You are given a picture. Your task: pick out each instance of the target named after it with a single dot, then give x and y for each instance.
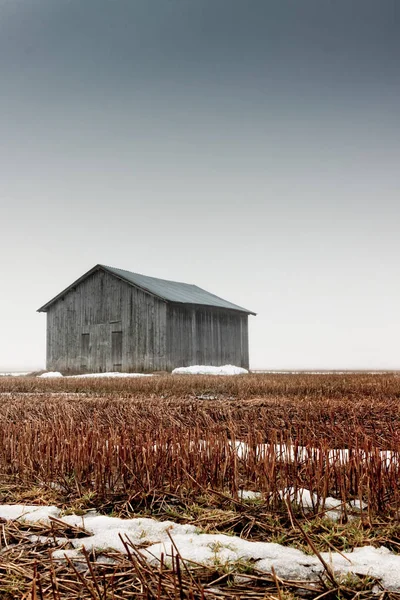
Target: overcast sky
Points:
(251, 147)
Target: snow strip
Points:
(117, 374)
(268, 372)
(55, 374)
(290, 453)
(208, 370)
(16, 374)
(209, 549)
(47, 394)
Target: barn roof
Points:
(170, 291)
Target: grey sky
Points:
(250, 147)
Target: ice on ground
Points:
(209, 370)
(209, 549)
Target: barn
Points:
(115, 320)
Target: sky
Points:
(250, 147)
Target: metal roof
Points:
(170, 291)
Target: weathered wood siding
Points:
(105, 324)
(198, 335)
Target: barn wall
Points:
(206, 336)
(106, 325)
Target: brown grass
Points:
(123, 438)
(163, 446)
(305, 386)
(27, 570)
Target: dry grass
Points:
(305, 386)
(164, 446)
(147, 436)
(27, 570)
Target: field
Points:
(309, 462)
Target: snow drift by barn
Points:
(116, 320)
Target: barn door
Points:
(116, 350)
(85, 344)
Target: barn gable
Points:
(110, 319)
(169, 291)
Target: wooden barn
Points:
(115, 320)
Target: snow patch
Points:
(30, 514)
(70, 553)
(332, 507)
(105, 531)
(209, 370)
(50, 375)
(209, 549)
(249, 495)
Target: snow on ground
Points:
(50, 375)
(207, 549)
(15, 374)
(332, 372)
(287, 453)
(332, 507)
(25, 512)
(53, 374)
(208, 370)
(195, 370)
(249, 495)
(292, 453)
(47, 394)
(117, 374)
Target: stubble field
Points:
(309, 462)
